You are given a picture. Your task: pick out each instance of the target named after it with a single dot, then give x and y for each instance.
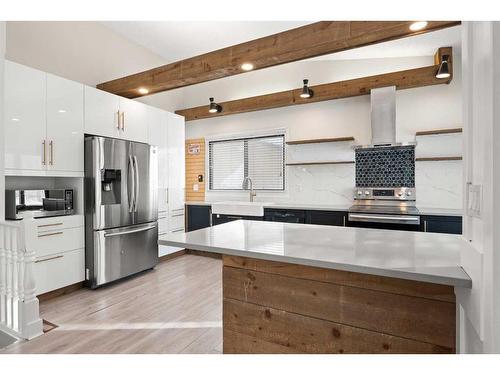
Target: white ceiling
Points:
(177, 40)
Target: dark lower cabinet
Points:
(336, 218)
(221, 219)
(441, 224)
(284, 215)
(198, 217)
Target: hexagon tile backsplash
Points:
(385, 167)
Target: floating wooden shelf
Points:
(439, 131)
(439, 158)
(321, 162)
(320, 140)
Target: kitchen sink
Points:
(240, 208)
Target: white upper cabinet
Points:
(158, 134)
(134, 120)
(102, 113)
(109, 115)
(176, 161)
(64, 125)
(25, 141)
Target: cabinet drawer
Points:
(53, 223)
(162, 225)
(59, 270)
(55, 241)
(176, 222)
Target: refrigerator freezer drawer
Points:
(123, 251)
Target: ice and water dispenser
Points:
(111, 186)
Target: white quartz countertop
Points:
(428, 257)
(324, 207)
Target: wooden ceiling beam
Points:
(316, 39)
(405, 79)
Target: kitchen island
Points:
(292, 288)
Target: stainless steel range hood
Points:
(383, 118)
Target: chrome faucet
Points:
(252, 193)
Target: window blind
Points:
(260, 158)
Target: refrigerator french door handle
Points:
(129, 231)
(136, 165)
(98, 166)
(131, 194)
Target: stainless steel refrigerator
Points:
(121, 228)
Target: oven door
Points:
(384, 221)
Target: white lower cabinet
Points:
(59, 247)
(59, 270)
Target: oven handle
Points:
(395, 219)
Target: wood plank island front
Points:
(292, 288)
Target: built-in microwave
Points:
(40, 203)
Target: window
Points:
(260, 158)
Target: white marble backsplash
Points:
(439, 184)
(321, 184)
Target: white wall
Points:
(2, 156)
(439, 184)
(480, 307)
(86, 52)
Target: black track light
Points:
(444, 70)
(214, 107)
(306, 91)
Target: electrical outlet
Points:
(474, 199)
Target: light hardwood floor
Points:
(176, 308)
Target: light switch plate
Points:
(474, 199)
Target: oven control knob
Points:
(360, 192)
(367, 192)
(400, 194)
(408, 193)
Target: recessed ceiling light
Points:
(143, 90)
(15, 119)
(247, 66)
(62, 111)
(419, 25)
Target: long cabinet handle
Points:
(118, 119)
(49, 225)
(51, 153)
(49, 234)
(43, 152)
(123, 121)
(47, 259)
(177, 230)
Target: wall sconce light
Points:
(306, 91)
(443, 70)
(214, 107)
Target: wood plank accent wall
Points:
(311, 40)
(273, 307)
(195, 166)
(405, 79)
